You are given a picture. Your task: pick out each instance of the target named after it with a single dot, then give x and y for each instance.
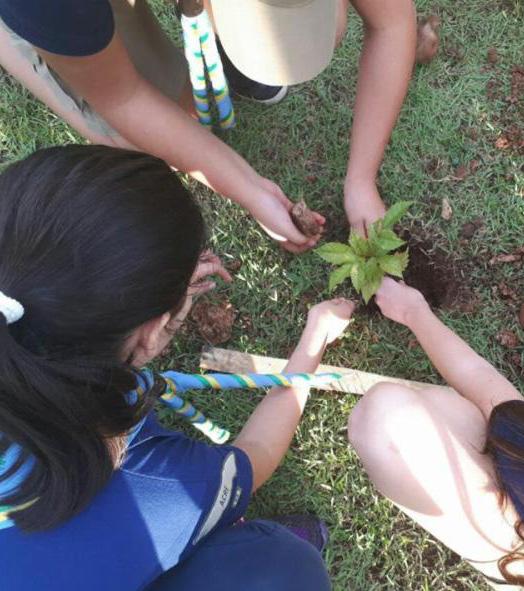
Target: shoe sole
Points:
(279, 96)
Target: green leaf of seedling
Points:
(388, 241)
(360, 246)
(374, 233)
(395, 212)
(358, 275)
(394, 264)
(374, 275)
(336, 253)
(338, 275)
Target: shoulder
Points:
(208, 483)
(64, 27)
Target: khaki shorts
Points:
(154, 55)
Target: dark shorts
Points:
(253, 556)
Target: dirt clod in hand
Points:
(508, 339)
(214, 320)
(304, 219)
(427, 39)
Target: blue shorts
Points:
(252, 556)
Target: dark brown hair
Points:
(510, 413)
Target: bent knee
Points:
(372, 421)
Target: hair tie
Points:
(10, 308)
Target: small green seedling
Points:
(366, 261)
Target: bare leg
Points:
(423, 450)
(342, 21)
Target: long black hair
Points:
(94, 241)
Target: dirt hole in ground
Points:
(435, 273)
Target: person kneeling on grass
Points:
(452, 461)
(98, 248)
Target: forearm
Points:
(268, 432)
(385, 69)
(166, 131)
(462, 368)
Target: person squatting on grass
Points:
(109, 70)
(452, 461)
(101, 255)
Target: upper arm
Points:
(77, 39)
(488, 389)
(218, 479)
(105, 79)
(382, 14)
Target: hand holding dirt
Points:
(305, 220)
(427, 39)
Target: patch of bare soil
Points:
(442, 279)
(214, 319)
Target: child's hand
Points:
(272, 210)
(397, 301)
(208, 264)
(329, 319)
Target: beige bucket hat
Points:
(277, 42)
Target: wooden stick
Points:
(354, 381)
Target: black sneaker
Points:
(244, 87)
(307, 527)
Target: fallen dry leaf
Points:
(511, 257)
(447, 211)
(508, 339)
(516, 359)
(492, 56)
(506, 292)
(427, 39)
(517, 84)
(502, 143)
(461, 172)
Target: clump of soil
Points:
(427, 39)
(436, 274)
(214, 320)
(304, 219)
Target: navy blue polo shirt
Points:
(170, 494)
(65, 27)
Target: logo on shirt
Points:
(229, 472)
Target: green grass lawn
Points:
(456, 110)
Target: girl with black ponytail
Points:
(98, 248)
